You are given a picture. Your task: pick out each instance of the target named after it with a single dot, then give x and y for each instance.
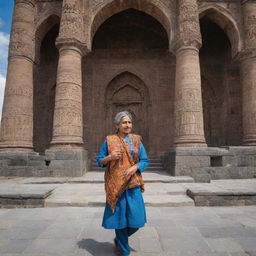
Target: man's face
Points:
(125, 125)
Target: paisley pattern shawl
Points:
(115, 181)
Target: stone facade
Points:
(185, 69)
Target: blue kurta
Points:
(130, 209)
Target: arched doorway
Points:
(129, 67)
(45, 72)
(127, 92)
(221, 88)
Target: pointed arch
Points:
(43, 26)
(225, 21)
(121, 80)
(126, 91)
(116, 6)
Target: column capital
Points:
(190, 44)
(71, 44)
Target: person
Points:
(125, 158)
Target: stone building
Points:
(185, 69)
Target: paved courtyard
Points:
(170, 231)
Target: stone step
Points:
(227, 192)
(89, 191)
(154, 164)
(168, 200)
(155, 195)
(13, 195)
(231, 172)
(149, 169)
(96, 201)
(98, 177)
(157, 165)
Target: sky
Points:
(6, 9)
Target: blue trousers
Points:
(122, 239)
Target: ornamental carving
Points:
(20, 49)
(69, 77)
(22, 36)
(188, 24)
(19, 91)
(18, 127)
(250, 25)
(67, 117)
(250, 31)
(71, 21)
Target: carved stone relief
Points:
(188, 24)
(71, 21)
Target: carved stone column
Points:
(189, 129)
(68, 123)
(248, 73)
(17, 114)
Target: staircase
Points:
(162, 189)
(155, 165)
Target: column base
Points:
(66, 146)
(187, 141)
(67, 143)
(16, 147)
(249, 141)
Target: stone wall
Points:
(140, 55)
(116, 53)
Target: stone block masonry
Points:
(68, 163)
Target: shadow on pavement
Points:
(95, 248)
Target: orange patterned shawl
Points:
(115, 182)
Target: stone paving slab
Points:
(170, 231)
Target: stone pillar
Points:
(248, 73)
(68, 121)
(17, 114)
(189, 127)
